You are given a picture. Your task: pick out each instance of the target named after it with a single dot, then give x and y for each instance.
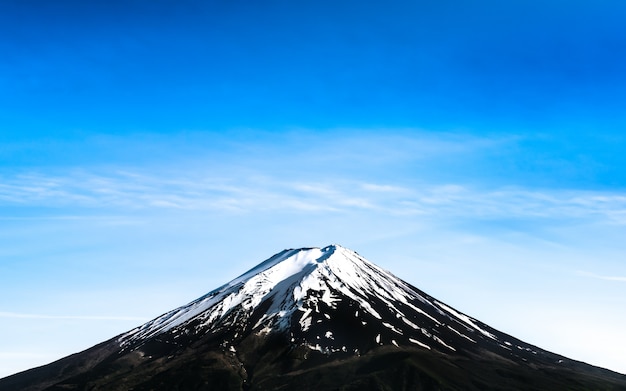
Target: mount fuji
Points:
(315, 319)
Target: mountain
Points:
(315, 319)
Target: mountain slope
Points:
(315, 318)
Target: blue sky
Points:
(150, 151)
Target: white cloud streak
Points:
(15, 315)
(606, 278)
(128, 191)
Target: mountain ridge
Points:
(300, 318)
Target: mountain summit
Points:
(315, 319)
(329, 299)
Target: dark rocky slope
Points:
(315, 319)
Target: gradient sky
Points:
(151, 151)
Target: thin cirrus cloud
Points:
(126, 191)
(15, 315)
(601, 277)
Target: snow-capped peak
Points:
(299, 291)
(246, 291)
(309, 313)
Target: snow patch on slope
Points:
(467, 320)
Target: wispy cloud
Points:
(15, 315)
(124, 191)
(12, 355)
(606, 278)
